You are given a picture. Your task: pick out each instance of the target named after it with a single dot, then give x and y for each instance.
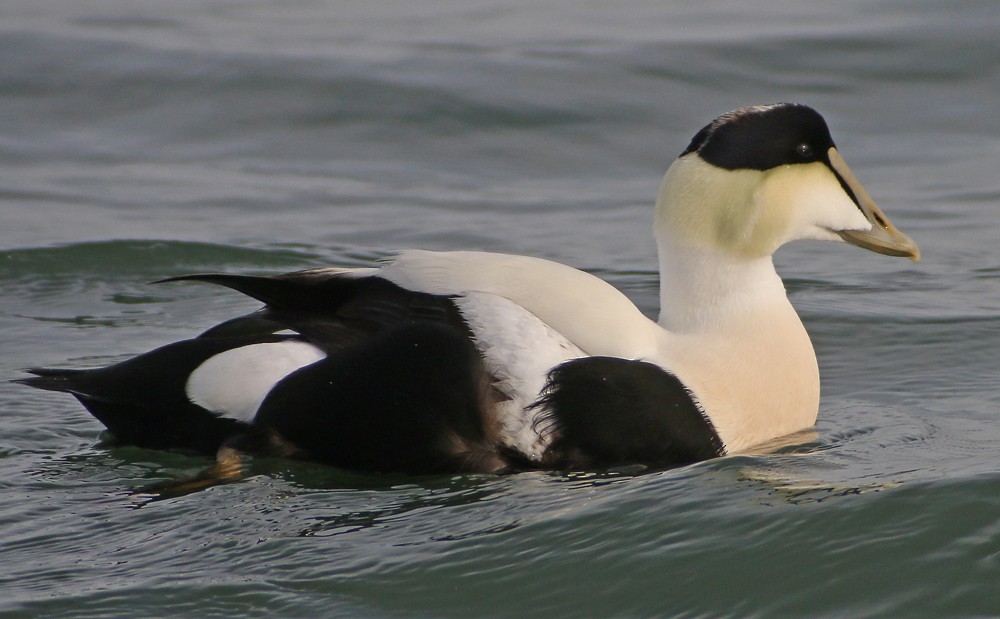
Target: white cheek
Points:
(234, 383)
(820, 207)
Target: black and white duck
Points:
(473, 361)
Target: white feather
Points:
(518, 350)
(727, 331)
(585, 309)
(726, 327)
(234, 383)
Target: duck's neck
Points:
(702, 289)
(734, 339)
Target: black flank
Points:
(604, 411)
(402, 388)
(412, 399)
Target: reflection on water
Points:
(420, 503)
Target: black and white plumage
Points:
(472, 361)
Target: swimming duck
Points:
(473, 361)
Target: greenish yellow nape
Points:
(704, 206)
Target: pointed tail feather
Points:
(281, 291)
(52, 379)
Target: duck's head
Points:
(758, 177)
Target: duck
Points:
(474, 362)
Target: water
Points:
(141, 140)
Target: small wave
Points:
(48, 269)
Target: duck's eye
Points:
(804, 150)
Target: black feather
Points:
(331, 310)
(602, 411)
(414, 399)
(143, 401)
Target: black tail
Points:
(143, 402)
(52, 379)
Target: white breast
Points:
(755, 376)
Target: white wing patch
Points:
(234, 383)
(586, 310)
(519, 350)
